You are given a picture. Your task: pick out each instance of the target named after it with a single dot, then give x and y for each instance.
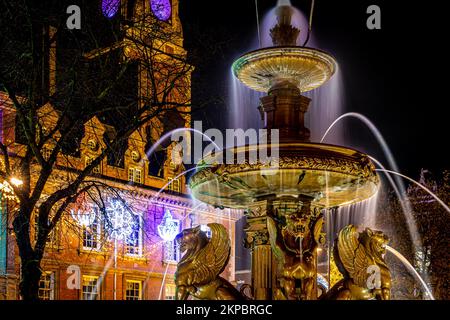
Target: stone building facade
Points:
(86, 257)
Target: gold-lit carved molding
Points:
(331, 175)
(307, 68)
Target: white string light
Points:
(120, 221)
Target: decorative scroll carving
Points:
(256, 238)
(362, 168)
(257, 211)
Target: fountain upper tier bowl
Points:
(331, 175)
(307, 68)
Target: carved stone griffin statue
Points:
(198, 271)
(359, 257)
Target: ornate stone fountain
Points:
(284, 203)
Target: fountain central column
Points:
(257, 239)
(284, 109)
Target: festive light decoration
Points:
(110, 8)
(162, 9)
(121, 222)
(7, 191)
(15, 181)
(169, 227)
(85, 219)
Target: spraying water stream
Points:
(411, 269)
(163, 280)
(415, 237)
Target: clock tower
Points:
(154, 38)
(157, 14)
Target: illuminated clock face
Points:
(110, 7)
(162, 9)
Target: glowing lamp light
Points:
(168, 228)
(16, 182)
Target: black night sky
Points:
(391, 75)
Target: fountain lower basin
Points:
(330, 175)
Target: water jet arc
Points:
(392, 163)
(442, 203)
(411, 269)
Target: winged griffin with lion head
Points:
(360, 259)
(205, 258)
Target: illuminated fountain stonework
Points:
(284, 203)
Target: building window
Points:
(135, 175)
(89, 160)
(92, 235)
(133, 244)
(174, 186)
(46, 286)
(169, 292)
(90, 288)
(134, 290)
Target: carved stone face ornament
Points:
(297, 225)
